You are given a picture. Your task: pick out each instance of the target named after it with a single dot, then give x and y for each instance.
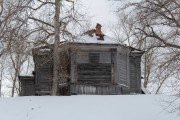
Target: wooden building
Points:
(95, 64)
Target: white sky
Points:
(101, 12)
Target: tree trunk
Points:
(16, 66)
(56, 47)
(14, 83)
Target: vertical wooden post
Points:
(75, 72)
(56, 47)
(75, 69)
(113, 51)
(112, 73)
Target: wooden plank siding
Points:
(98, 89)
(98, 69)
(27, 86)
(135, 75)
(133, 83)
(138, 74)
(122, 68)
(73, 71)
(94, 72)
(110, 66)
(44, 78)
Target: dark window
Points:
(93, 57)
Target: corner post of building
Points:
(113, 54)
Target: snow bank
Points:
(144, 90)
(117, 107)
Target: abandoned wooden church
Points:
(94, 64)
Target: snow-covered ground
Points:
(85, 107)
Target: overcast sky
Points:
(101, 11)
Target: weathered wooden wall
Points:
(135, 75)
(27, 86)
(43, 78)
(91, 66)
(98, 89)
(110, 66)
(94, 72)
(43, 72)
(94, 69)
(122, 68)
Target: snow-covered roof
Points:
(96, 36)
(81, 107)
(44, 49)
(26, 75)
(85, 38)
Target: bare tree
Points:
(25, 24)
(13, 34)
(125, 32)
(65, 17)
(18, 54)
(56, 47)
(156, 23)
(153, 26)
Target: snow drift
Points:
(85, 107)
